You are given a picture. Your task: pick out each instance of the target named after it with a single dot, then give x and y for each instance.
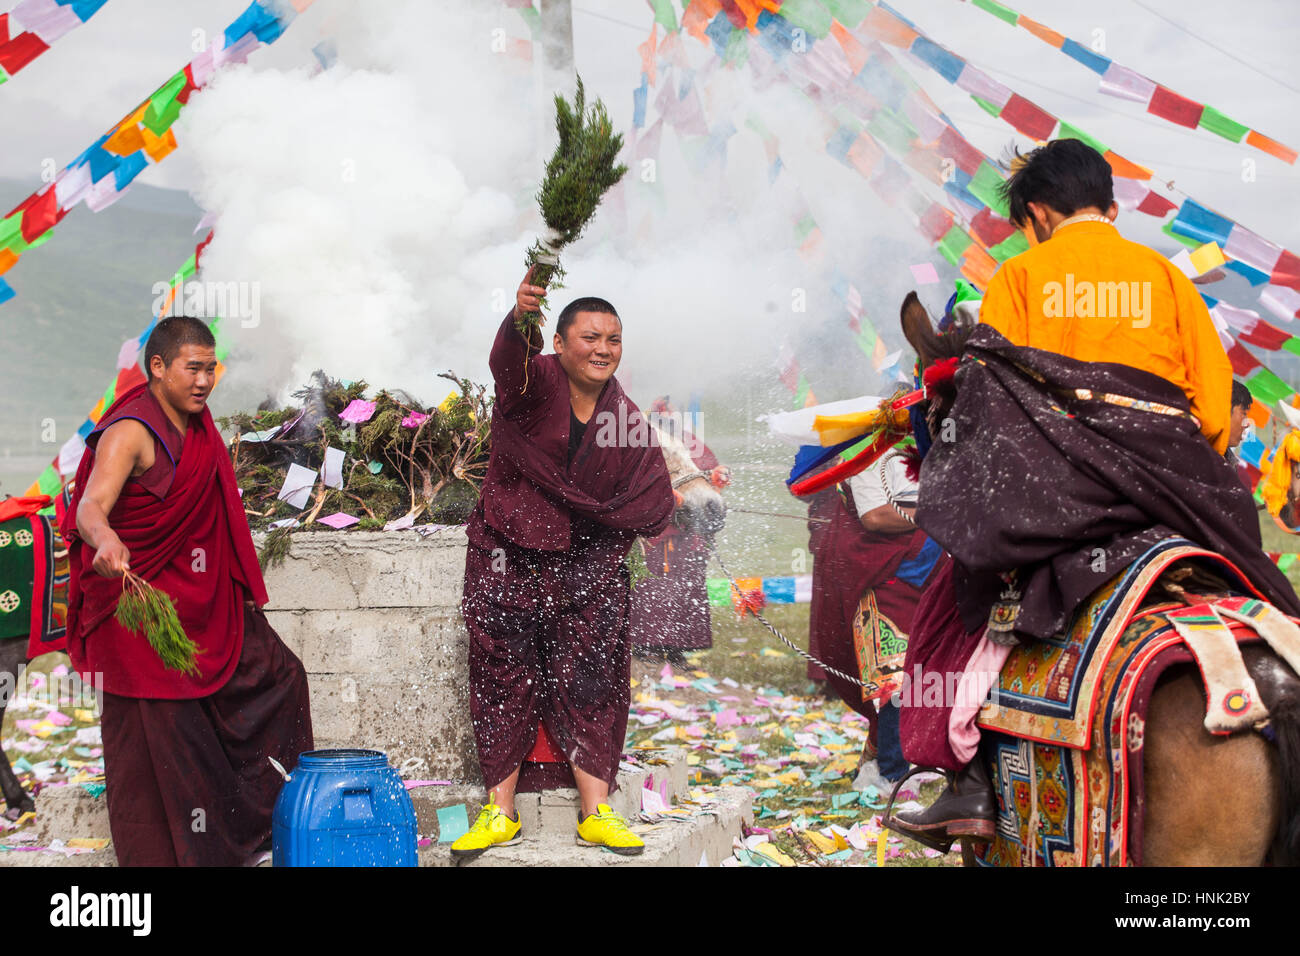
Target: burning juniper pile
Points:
(399, 458)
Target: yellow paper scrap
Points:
(86, 843)
(823, 844)
(770, 851)
(84, 716)
(880, 848)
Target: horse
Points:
(700, 508)
(1209, 799)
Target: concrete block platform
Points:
(549, 819)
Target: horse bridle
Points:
(689, 476)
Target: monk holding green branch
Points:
(185, 750)
(546, 589)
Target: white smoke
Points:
(382, 208)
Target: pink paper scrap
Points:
(339, 520)
(414, 420)
(358, 411)
(412, 784)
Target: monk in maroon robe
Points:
(188, 779)
(572, 481)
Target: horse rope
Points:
(781, 637)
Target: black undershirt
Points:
(576, 430)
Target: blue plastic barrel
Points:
(344, 808)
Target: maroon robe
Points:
(850, 559)
(175, 744)
(670, 609)
(546, 589)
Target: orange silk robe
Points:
(1090, 294)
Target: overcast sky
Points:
(1240, 57)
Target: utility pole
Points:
(557, 47)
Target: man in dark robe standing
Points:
(573, 480)
(185, 755)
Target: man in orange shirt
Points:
(1091, 418)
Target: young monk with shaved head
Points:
(188, 779)
(546, 590)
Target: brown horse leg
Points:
(1210, 801)
(13, 655)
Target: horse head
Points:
(700, 507)
(932, 345)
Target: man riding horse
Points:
(1091, 418)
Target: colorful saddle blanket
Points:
(1059, 802)
(33, 580)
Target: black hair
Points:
(586, 304)
(170, 334)
(1241, 397)
(1065, 174)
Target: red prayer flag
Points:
(4, 28)
(1243, 363)
(935, 222)
(991, 228)
(40, 215)
(966, 157)
(1265, 336)
(1153, 204)
(734, 14)
(183, 97)
(1167, 104)
(21, 50)
(1286, 271)
(1028, 118)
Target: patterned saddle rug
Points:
(1063, 729)
(33, 581)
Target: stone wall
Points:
(375, 619)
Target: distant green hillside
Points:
(79, 297)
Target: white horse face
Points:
(700, 507)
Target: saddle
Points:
(1063, 728)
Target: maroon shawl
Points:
(529, 494)
(188, 536)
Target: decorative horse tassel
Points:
(1231, 697)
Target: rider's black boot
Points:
(965, 809)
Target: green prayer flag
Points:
(953, 244)
(849, 12)
(49, 483)
(1292, 345)
(4, 77)
(811, 16)
(187, 268)
(867, 340)
(854, 449)
(846, 116)
(11, 228)
(1013, 245)
(534, 20)
(893, 130)
(804, 226)
(1168, 230)
(801, 391)
(719, 591)
(1267, 387)
(1221, 125)
(1285, 561)
(665, 16)
(737, 51)
(1073, 132)
(991, 108)
(42, 239)
(1005, 14)
(986, 186)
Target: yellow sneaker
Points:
(608, 829)
(492, 828)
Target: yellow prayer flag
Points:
(1207, 257)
